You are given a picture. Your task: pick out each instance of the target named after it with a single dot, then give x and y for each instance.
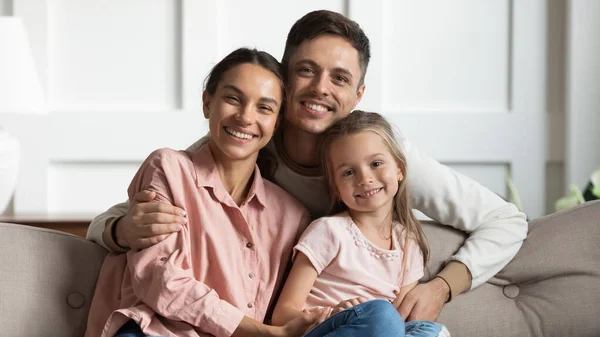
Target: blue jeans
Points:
(377, 318)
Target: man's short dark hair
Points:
(322, 22)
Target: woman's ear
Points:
(206, 98)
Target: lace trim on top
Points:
(379, 253)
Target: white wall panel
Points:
(583, 91)
(115, 136)
(88, 187)
(241, 24)
(105, 57)
(447, 56)
(493, 176)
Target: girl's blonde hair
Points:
(360, 121)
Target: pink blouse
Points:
(225, 263)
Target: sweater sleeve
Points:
(496, 228)
(97, 226)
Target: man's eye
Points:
(342, 79)
(306, 71)
(232, 99)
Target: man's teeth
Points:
(316, 107)
(370, 193)
(238, 134)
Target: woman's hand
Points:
(347, 304)
(299, 326)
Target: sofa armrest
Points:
(47, 281)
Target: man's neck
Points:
(300, 146)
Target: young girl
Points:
(216, 276)
(368, 255)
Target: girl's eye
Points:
(377, 163)
(347, 173)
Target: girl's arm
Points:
(295, 291)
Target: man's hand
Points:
(424, 301)
(148, 223)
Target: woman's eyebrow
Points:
(262, 99)
(234, 88)
(269, 100)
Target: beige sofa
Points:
(551, 288)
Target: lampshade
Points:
(20, 89)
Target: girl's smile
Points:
(370, 193)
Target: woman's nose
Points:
(247, 115)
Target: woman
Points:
(216, 276)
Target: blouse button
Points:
(249, 245)
(250, 305)
(251, 275)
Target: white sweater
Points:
(496, 228)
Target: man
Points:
(326, 58)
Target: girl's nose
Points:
(365, 177)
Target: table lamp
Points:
(20, 93)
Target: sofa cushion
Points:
(551, 288)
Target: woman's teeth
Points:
(238, 134)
